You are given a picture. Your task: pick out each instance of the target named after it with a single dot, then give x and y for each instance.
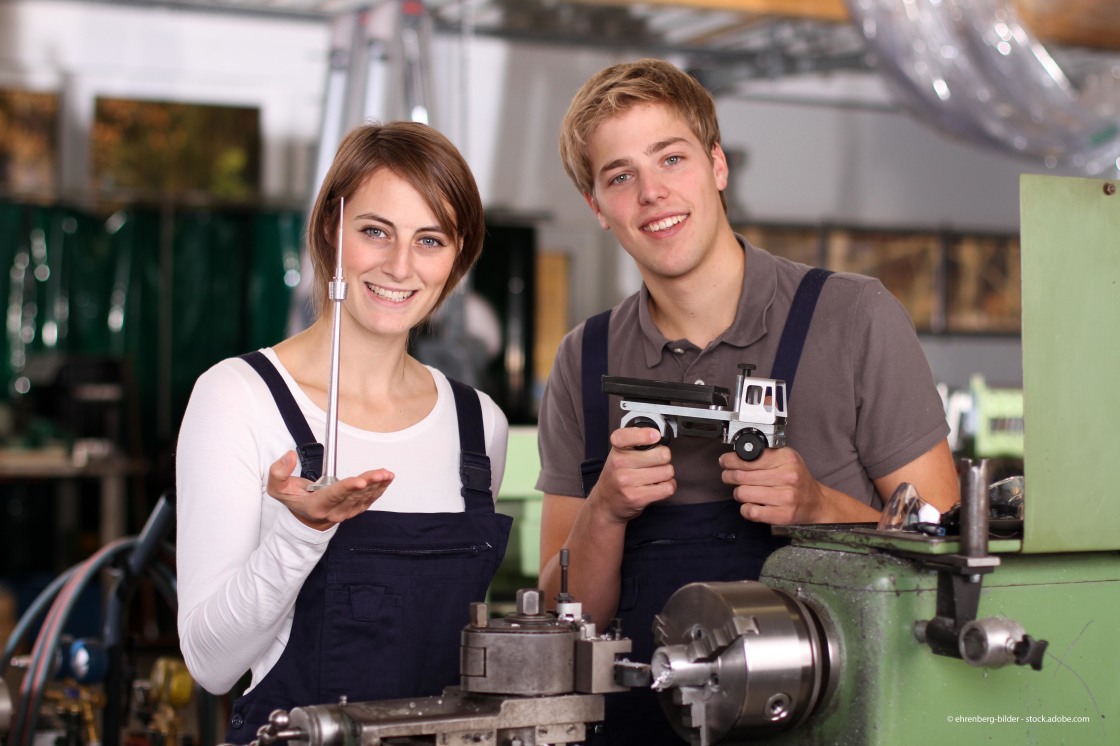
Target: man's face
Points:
(658, 189)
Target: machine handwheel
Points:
(749, 444)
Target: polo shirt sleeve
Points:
(560, 421)
(899, 413)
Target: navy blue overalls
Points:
(669, 546)
(381, 614)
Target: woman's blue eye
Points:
(373, 231)
(431, 242)
(673, 160)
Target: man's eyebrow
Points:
(616, 163)
(662, 144)
(654, 148)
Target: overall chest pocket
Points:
(394, 615)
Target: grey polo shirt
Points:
(864, 402)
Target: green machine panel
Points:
(1070, 234)
(889, 689)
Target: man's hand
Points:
(775, 488)
(633, 478)
(321, 509)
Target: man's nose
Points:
(651, 188)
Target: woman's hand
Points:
(323, 508)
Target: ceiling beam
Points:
(819, 10)
(1081, 23)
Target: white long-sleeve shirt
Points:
(241, 556)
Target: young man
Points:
(641, 142)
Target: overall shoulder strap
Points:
(474, 463)
(309, 450)
(796, 329)
(596, 434)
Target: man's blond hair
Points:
(614, 90)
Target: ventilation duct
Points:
(972, 69)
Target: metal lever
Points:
(337, 293)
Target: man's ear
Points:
(719, 166)
(590, 198)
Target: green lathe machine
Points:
(857, 635)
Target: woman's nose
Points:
(398, 263)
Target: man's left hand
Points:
(775, 488)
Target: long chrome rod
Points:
(337, 292)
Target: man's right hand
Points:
(634, 477)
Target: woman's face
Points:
(395, 257)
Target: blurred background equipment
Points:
(159, 705)
(79, 692)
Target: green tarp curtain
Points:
(169, 290)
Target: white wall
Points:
(881, 168)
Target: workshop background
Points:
(157, 160)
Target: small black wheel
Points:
(666, 435)
(749, 444)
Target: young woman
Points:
(360, 588)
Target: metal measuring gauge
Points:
(336, 290)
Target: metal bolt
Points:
(1109, 189)
(530, 601)
(479, 614)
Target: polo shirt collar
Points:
(760, 284)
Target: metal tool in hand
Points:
(336, 289)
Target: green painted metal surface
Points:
(891, 689)
(1070, 233)
(520, 498)
(865, 537)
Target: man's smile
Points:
(664, 223)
